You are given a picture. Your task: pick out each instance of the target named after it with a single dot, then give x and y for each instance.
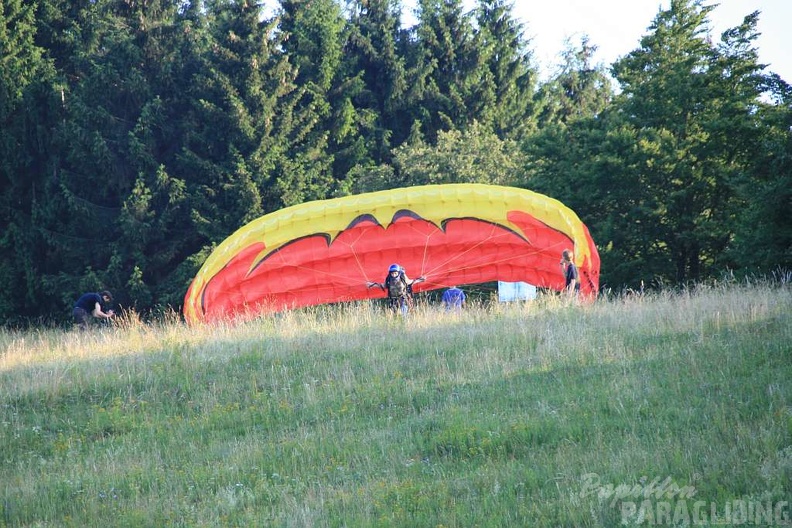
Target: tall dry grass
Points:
(345, 416)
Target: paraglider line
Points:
(477, 245)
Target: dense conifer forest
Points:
(135, 135)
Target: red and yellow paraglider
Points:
(326, 251)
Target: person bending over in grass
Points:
(90, 304)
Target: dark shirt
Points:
(571, 274)
(87, 301)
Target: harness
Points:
(397, 288)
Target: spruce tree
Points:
(375, 70)
(505, 95)
(28, 105)
(449, 68)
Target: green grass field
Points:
(538, 414)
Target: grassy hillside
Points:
(541, 414)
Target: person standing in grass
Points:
(398, 287)
(453, 299)
(90, 305)
(571, 274)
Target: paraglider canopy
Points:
(327, 251)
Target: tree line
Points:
(135, 135)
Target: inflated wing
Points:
(326, 251)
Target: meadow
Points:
(626, 411)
